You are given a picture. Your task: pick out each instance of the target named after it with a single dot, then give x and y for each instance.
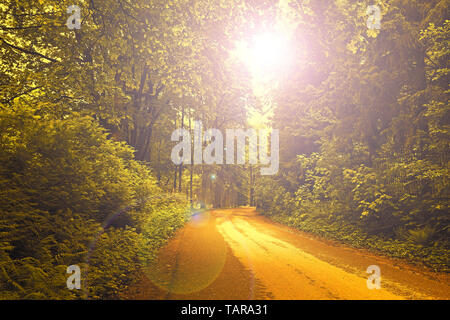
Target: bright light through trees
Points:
(266, 55)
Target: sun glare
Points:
(265, 55)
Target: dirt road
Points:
(238, 254)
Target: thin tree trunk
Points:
(158, 165)
(180, 169)
(192, 165)
(250, 189)
(175, 172)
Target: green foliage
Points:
(421, 235)
(413, 248)
(71, 196)
(365, 120)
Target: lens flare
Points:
(185, 265)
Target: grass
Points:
(432, 256)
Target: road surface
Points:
(238, 254)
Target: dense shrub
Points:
(69, 195)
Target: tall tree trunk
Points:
(158, 165)
(180, 169)
(192, 165)
(250, 188)
(175, 171)
(146, 150)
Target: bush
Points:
(71, 196)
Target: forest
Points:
(89, 101)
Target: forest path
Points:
(238, 254)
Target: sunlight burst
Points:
(266, 55)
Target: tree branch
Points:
(29, 51)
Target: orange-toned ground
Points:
(238, 254)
